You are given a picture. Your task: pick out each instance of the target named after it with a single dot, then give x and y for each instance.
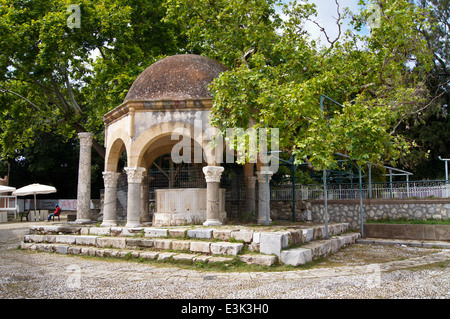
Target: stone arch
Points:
(113, 153)
(150, 136)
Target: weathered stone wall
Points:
(348, 211)
(282, 210)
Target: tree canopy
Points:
(57, 76)
(278, 75)
(385, 74)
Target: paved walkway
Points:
(43, 275)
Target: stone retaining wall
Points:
(348, 211)
(406, 231)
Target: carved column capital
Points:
(213, 173)
(134, 174)
(86, 138)
(264, 176)
(110, 179)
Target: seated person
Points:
(55, 213)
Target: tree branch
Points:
(4, 90)
(75, 105)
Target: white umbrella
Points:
(6, 189)
(34, 189)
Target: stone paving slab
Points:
(405, 242)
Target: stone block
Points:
(124, 253)
(86, 240)
(88, 251)
(135, 254)
(307, 235)
(116, 231)
(335, 244)
(219, 260)
(184, 257)
(200, 233)
(181, 245)
(319, 232)
(131, 231)
(256, 237)
(316, 248)
(65, 239)
(155, 232)
(225, 248)
(163, 244)
(112, 253)
(100, 231)
(149, 255)
(73, 250)
(295, 236)
(177, 232)
(201, 258)
(253, 247)
(200, 247)
(55, 229)
(262, 260)
(40, 238)
(244, 235)
(35, 229)
(25, 246)
(165, 256)
(138, 242)
(100, 253)
(272, 243)
(62, 249)
(222, 234)
(114, 242)
(296, 256)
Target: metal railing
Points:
(413, 189)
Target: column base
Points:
(133, 225)
(82, 221)
(212, 222)
(108, 223)
(264, 221)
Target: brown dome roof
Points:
(178, 77)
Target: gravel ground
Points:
(359, 271)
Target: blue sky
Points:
(326, 17)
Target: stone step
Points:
(245, 235)
(122, 253)
(198, 242)
(204, 247)
(320, 248)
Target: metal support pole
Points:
(325, 202)
(293, 193)
(361, 210)
(446, 167)
(370, 180)
(390, 183)
(447, 188)
(407, 186)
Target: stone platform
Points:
(262, 246)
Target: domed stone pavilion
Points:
(166, 111)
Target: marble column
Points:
(84, 179)
(110, 199)
(264, 177)
(212, 176)
(134, 176)
(145, 217)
